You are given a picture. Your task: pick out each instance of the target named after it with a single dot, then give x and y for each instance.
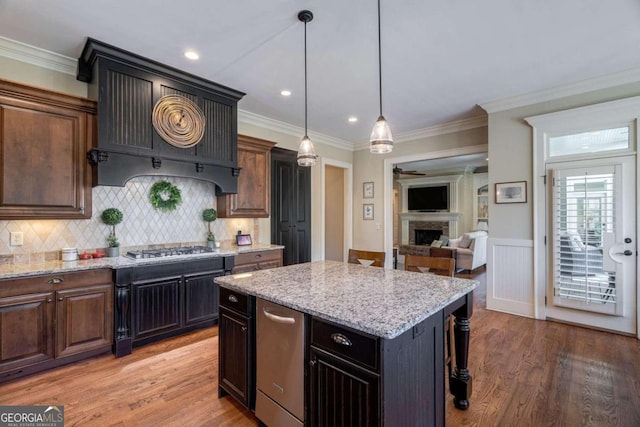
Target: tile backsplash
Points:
(142, 225)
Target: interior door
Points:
(591, 221)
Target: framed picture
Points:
(511, 192)
(367, 190)
(367, 211)
(243, 239)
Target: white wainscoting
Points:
(510, 276)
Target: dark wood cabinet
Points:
(254, 181)
(158, 301)
(168, 306)
(26, 326)
(44, 137)
(358, 379)
(236, 368)
(257, 260)
(290, 206)
(200, 298)
(342, 393)
(46, 321)
(156, 307)
(84, 319)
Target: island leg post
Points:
(460, 380)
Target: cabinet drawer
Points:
(234, 300)
(258, 257)
(54, 282)
(355, 346)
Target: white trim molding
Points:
(36, 56)
(603, 82)
(289, 129)
(441, 129)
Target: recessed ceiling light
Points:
(192, 54)
(352, 119)
(285, 93)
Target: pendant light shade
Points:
(381, 140)
(306, 153)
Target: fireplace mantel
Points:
(430, 216)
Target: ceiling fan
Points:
(398, 171)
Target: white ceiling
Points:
(445, 166)
(440, 58)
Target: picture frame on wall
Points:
(367, 211)
(367, 190)
(511, 192)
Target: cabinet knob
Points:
(244, 329)
(312, 362)
(49, 300)
(55, 280)
(233, 298)
(60, 298)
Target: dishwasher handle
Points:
(278, 319)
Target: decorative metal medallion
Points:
(178, 120)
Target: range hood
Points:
(136, 97)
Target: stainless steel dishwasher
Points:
(279, 365)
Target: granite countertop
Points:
(13, 271)
(381, 302)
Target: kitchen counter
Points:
(381, 302)
(12, 271)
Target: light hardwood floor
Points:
(525, 373)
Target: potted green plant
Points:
(210, 215)
(112, 217)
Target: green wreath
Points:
(165, 196)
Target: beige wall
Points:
(334, 213)
(511, 156)
(369, 167)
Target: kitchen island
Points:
(375, 339)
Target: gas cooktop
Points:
(163, 252)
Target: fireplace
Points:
(425, 237)
(425, 232)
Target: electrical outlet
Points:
(16, 238)
(377, 226)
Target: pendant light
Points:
(306, 153)
(381, 140)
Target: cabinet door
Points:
(156, 307)
(201, 298)
(43, 140)
(84, 319)
(342, 394)
(234, 354)
(254, 181)
(26, 330)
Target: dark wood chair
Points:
(441, 267)
(368, 258)
(435, 265)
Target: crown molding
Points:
(36, 56)
(597, 83)
(289, 129)
(441, 129)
